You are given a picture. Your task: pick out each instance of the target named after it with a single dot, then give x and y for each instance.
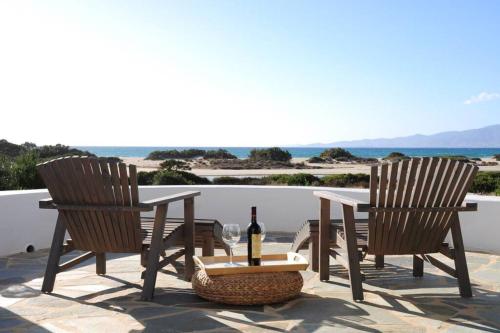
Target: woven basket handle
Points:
(294, 256)
(198, 262)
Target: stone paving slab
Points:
(395, 301)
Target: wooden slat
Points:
(398, 202)
(87, 230)
(403, 216)
(134, 187)
(72, 219)
(423, 230)
(379, 217)
(389, 202)
(447, 202)
(107, 196)
(430, 228)
(373, 202)
(115, 180)
(417, 194)
(433, 227)
(75, 261)
(414, 238)
(458, 197)
(132, 226)
(468, 208)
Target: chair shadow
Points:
(180, 309)
(442, 306)
(187, 307)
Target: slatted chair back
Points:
(428, 191)
(96, 199)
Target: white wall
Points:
(281, 208)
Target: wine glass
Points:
(262, 230)
(231, 236)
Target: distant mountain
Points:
(486, 137)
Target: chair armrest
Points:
(469, 206)
(46, 203)
(358, 205)
(169, 198)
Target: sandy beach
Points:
(318, 169)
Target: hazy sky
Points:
(245, 73)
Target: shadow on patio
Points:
(394, 299)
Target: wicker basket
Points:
(248, 289)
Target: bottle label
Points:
(256, 246)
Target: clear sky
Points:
(245, 73)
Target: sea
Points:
(243, 152)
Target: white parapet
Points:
(281, 208)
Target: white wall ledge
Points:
(281, 208)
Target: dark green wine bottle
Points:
(254, 240)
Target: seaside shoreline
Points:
(298, 152)
(318, 169)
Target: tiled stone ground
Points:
(395, 301)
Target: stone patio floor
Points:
(395, 301)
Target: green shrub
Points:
(299, 179)
(396, 156)
(43, 152)
(46, 152)
(270, 154)
(193, 179)
(316, 159)
(460, 158)
(6, 174)
(145, 177)
(111, 159)
(496, 157)
(173, 165)
(10, 149)
(166, 177)
(174, 153)
(486, 182)
(169, 178)
(238, 181)
(336, 154)
(346, 180)
(25, 173)
(221, 154)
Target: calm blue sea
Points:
(243, 152)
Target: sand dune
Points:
(320, 169)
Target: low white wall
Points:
(281, 208)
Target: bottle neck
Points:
(254, 214)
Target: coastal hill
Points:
(486, 137)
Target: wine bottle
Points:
(254, 240)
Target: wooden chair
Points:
(98, 204)
(413, 205)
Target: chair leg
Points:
(208, 244)
(154, 253)
(313, 251)
(379, 261)
(324, 240)
(460, 260)
(418, 266)
(189, 238)
(352, 253)
(55, 254)
(100, 263)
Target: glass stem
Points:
(230, 255)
